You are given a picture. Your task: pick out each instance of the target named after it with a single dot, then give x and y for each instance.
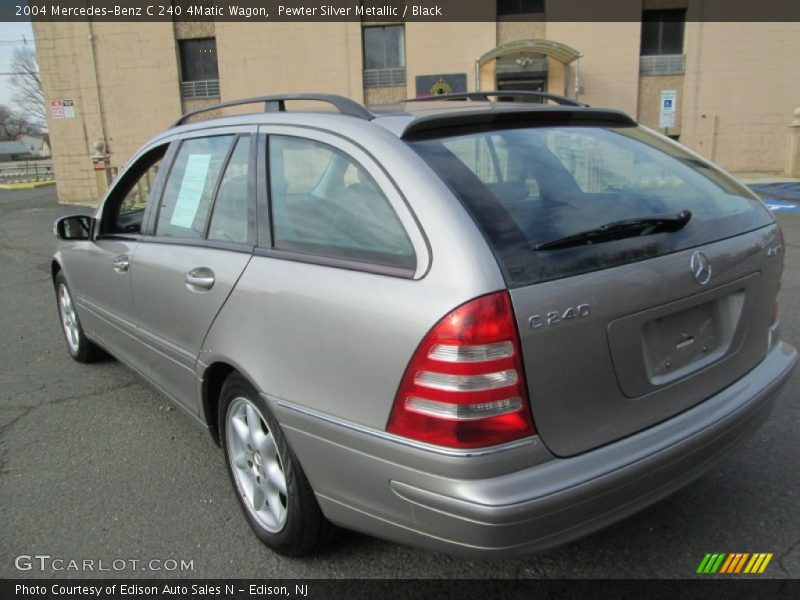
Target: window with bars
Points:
(662, 32)
(384, 56)
(199, 70)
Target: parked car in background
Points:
(468, 324)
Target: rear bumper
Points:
(452, 504)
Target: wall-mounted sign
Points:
(669, 104)
(69, 109)
(439, 85)
(62, 109)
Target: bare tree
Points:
(14, 123)
(26, 84)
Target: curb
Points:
(26, 185)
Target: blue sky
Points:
(10, 33)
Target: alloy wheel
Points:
(256, 464)
(69, 318)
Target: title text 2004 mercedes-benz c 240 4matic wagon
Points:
(473, 325)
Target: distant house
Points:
(14, 150)
(37, 145)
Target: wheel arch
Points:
(213, 378)
(55, 267)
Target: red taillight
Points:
(465, 386)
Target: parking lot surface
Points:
(95, 465)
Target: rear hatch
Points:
(630, 310)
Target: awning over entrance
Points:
(562, 52)
(523, 65)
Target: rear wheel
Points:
(78, 345)
(270, 485)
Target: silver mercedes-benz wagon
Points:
(486, 323)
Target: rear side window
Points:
(190, 187)
(229, 216)
(532, 185)
(325, 203)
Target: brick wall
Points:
(609, 69)
(740, 89)
(650, 88)
(736, 99)
(258, 59)
(438, 48)
(135, 67)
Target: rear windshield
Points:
(532, 185)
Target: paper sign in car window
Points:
(192, 186)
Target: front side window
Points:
(662, 31)
(528, 187)
(324, 203)
(190, 186)
(127, 201)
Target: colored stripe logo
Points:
(735, 563)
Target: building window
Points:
(199, 71)
(662, 42)
(519, 7)
(384, 56)
(662, 32)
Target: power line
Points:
(23, 41)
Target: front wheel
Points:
(272, 489)
(78, 345)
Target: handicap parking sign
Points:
(666, 113)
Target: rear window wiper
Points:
(617, 230)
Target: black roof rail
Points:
(523, 96)
(277, 103)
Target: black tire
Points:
(80, 348)
(305, 529)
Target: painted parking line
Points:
(781, 196)
(781, 205)
(26, 185)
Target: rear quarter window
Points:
(325, 203)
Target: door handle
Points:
(201, 277)
(121, 263)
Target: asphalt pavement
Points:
(95, 465)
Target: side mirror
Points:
(74, 227)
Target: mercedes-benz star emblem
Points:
(701, 268)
